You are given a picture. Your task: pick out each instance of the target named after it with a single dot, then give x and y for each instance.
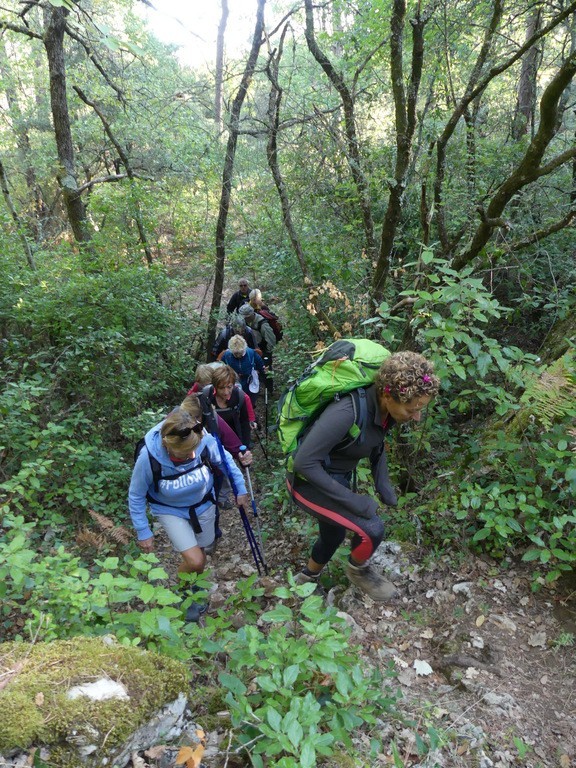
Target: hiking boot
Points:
(196, 609)
(305, 577)
(226, 503)
(372, 583)
(211, 548)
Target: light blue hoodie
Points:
(178, 494)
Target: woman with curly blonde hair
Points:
(321, 483)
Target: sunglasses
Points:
(185, 431)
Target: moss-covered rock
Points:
(37, 711)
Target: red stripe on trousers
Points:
(360, 553)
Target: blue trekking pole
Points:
(256, 553)
(254, 509)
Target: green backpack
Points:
(346, 366)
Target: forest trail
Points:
(481, 660)
(498, 678)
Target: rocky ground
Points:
(482, 660)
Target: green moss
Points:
(39, 712)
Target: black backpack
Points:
(156, 468)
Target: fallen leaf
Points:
(428, 634)
(463, 749)
(422, 667)
(401, 663)
(565, 761)
(543, 679)
(39, 699)
(480, 620)
(537, 640)
(190, 757)
(155, 752)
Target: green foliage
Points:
(450, 313)
(297, 691)
(105, 341)
(51, 593)
(52, 472)
(520, 500)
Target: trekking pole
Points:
(261, 444)
(254, 509)
(253, 543)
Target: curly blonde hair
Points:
(406, 375)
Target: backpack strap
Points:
(356, 431)
(204, 462)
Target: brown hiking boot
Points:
(372, 583)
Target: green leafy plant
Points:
(297, 691)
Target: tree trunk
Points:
(352, 145)
(227, 172)
(525, 104)
(529, 168)
(405, 118)
(220, 65)
(16, 218)
(55, 24)
(274, 102)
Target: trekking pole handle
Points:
(243, 449)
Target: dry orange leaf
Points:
(190, 757)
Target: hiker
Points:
(240, 297)
(248, 365)
(230, 402)
(260, 308)
(325, 460)
(263, 334)
(181, 496)
(236, 326)
(256, 301)
(203, 377)
(217, 427)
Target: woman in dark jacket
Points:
(325, 461)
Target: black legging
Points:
(333, 525)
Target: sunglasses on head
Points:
(185, 431)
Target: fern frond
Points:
(551, 396)
(111, 531)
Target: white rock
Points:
(463, 588)
(101, 690)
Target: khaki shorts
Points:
(180, 531)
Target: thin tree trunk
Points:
(405, 117)
(16, 218)
(55, 24)
(274, 102)
(352, 145)
(228, 170)
(524, 114)
(19, 127)
(220, 65)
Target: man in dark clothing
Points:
(327, 457)
(236, 327)
(240, 297)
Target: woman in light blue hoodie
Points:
(173, 476)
